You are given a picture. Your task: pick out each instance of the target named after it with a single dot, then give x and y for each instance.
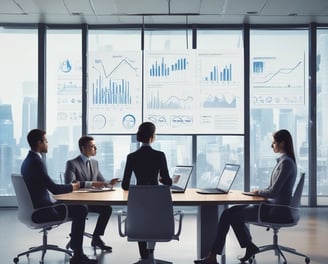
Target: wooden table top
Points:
(119, 197)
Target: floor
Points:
(309, 237)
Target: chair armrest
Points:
(178, 216)
(121, 215)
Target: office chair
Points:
(25, 212)
(294, 208)
(150, 217)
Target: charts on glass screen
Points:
(184, 92)
(194, 92)
(114, 92)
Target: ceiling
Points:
(95, 12)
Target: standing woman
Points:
(278, 192)
(149, 166)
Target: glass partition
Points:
(63, 98)
(212, 153)
(322, 111)
(18, 99)
(278, 98)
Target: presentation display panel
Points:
(192, 92)
(114, 92)
(278, 81)
(184, 92)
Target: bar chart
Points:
(114, 91)
(160, 68)
(219, 74)
(111, 91)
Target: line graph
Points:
(172, 102)
(270, 76)
(108, 87)
(116, 68)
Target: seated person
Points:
(39, 184)
(279, 191)
(86, 171)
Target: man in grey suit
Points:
(86, 171)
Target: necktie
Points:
(89, 169)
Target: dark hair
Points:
(283, 135)
(84, 140)
(34, 136)
(145, 131)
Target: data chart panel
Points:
(194, 91)
(278, 80)
(169, 91)
(114, 93)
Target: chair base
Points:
(279, 252)
(151, 259)
(43, 249)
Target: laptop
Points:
(225, 182)
(180, 177)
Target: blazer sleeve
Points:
(127, 173)
(164, 171)
(70, 174)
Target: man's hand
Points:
(76, 185)
(114, 181)
(98, 184)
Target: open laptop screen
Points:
(227, 177)
(180, 176)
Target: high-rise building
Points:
(6, 146)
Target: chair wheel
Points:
(16, 260)
(307, 260)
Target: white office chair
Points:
(150, 217)
(294, 208)
(25, 212)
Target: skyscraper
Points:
(6, 146)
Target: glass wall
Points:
(322, 111)
(114, 66)
(18, 99)
(162, 45)
(170, 40)
(213, 151)
(115, 56)
(278, 98)
(120, 61)
(63, 98)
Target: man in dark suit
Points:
(39, 183)
(86, 171)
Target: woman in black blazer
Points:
(149, 166)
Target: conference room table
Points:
(209, 207)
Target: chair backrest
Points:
(25, 205)
(149, 213)
(296, 200)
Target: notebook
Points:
(225, 182)
(181, 175)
